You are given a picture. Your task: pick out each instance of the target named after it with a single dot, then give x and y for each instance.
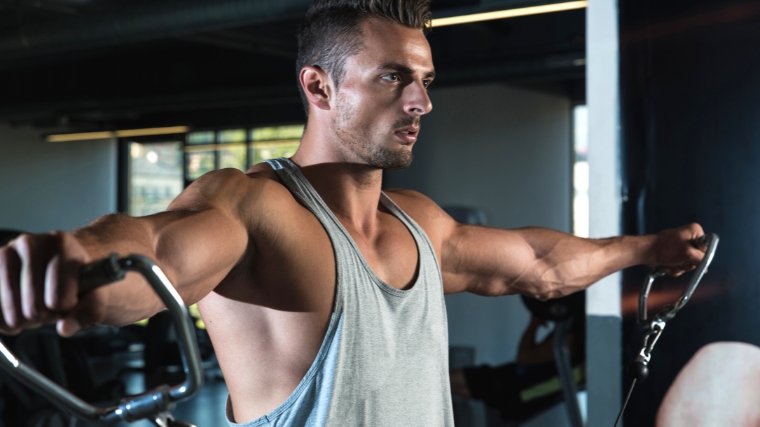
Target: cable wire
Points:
(630, 391)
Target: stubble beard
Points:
(362, 146)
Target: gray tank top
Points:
(384, 359)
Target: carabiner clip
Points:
(667, 312)
(655, 324)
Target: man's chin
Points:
(395, 162)
(398, 167)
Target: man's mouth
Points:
(408, 134)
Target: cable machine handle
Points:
(667, 312)
(133, 408)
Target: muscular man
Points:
(324, 296)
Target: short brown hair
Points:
(330, 32)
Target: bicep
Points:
(198, 249)
(485, 260)
(195, 245)
(198, 240)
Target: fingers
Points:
(694, 255)
(39, 280)
(676, 251)
(34, 252)
(677, 271)
(695, 230)
(63, 274)
(10, 300)
(88, 311)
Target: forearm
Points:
(131, 299)
(195, 249)
(537, 262)
(565, 264)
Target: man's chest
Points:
(295, 248)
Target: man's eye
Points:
(392, 77)
(427, 83)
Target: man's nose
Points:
(417, 101)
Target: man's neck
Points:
(350, 190)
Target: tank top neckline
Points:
(389, 204)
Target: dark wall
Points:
(690, 97)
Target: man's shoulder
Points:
(422, 209)
(411, 201)
(243, 193)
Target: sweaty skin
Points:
(260, 264)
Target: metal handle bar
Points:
(654, 325)
(667, 312)
(132, 408)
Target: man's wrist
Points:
(637, 250)
(646, 249)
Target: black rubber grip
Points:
(99, 273)
(638, 371)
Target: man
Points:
(322, 295)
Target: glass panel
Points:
(199, 159)
(230, 135)
(273, 133)
(195, 138)
(261, 151)
(232, 156)
(155, 176)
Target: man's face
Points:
(383, 95)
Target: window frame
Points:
(124, 158)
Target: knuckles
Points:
(13, 318)
(35, 311)
(696, 228)
(24, 265)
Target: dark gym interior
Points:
(116, 106)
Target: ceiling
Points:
(82, 65)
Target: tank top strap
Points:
(428, 260)
(300, 187)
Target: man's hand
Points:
(39, 282)
(676, 249)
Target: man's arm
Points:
(544, 263)
(539, 262)
(196, 242)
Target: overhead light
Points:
(150, 131)
(116, 134)
(79, 136)
(509, 13)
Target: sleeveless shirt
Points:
(384, 359)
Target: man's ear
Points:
(317, 86)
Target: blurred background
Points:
(593, 118)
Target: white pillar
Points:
(603, 325)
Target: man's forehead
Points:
(385, 42)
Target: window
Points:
(580, 171)
(157, 171)
(273, 142)
(238, 148)
(155, 176)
